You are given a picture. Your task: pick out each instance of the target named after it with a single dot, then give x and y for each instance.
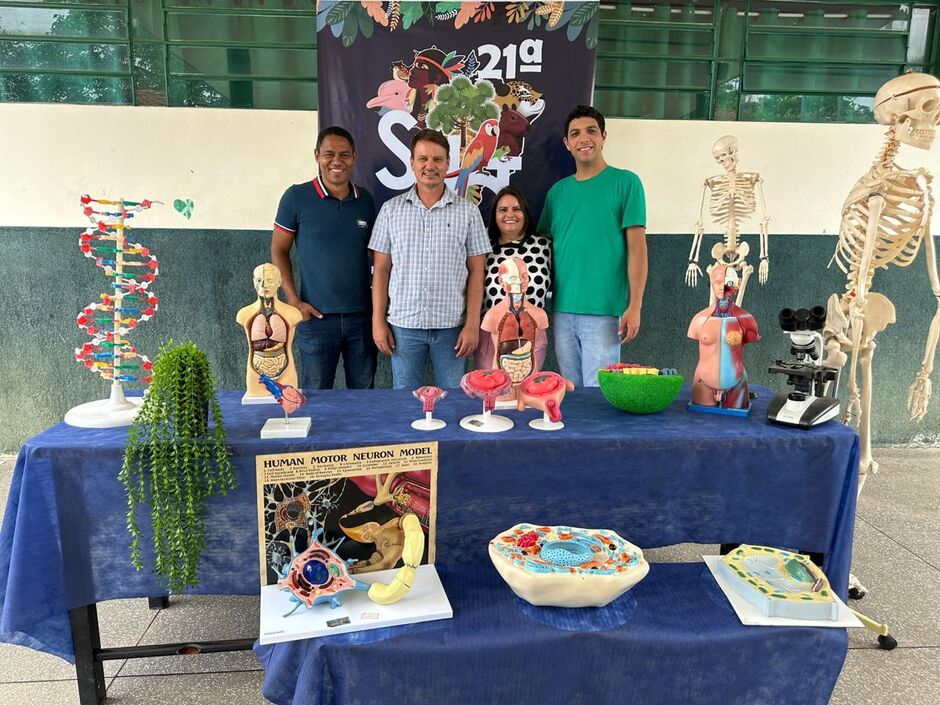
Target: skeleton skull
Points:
(912, 104)
(725, 151)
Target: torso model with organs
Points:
(269, 325)
(885, 220)
(734, 198)
(513, 324)
(719, 384)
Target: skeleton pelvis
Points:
(730, 255)
(879, 313)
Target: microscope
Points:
(813, 399)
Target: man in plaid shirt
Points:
(429, 251)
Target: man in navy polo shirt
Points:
(330, 220)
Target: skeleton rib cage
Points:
(901, 227)
(733, 200)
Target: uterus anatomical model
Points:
(733, 198)
(269, 325)
(885, 220)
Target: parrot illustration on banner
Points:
(478, 154)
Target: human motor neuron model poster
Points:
(355, 496)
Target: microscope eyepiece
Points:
(817, 318)
(787, 319)
(802, 319)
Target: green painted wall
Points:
(206, 277)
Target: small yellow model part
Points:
(411, 556)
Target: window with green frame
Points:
(211, 53)
(784, 60)
(816, 61)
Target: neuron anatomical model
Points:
(734, 197)
(885, 220)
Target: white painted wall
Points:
(234, 164)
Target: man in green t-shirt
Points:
(596, 219)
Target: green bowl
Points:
(639, 394)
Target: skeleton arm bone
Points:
(763, 269)
(692, 271)
(918, 396)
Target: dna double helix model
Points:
(131, 269)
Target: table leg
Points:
(158, 603)
(86, 641)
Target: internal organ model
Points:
(269, 325)
(318, 576)
(722, 330)
(428, 396)
(290, 398)
(779, 583)
(885, 220)
(486, 385)
(564, 566)
(733, 197)
(513, 324)
(544, 391)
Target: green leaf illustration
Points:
(366, 25)
(584, 13)
(410, 13)
(338, 13)
(184, 207)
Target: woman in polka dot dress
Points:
(512, 234)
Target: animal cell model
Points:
(269, 326)
(564, 566)
(779, 583)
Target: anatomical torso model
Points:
(513, 324)
(733, 197)
(885, 220)
(269, 325)
(722, 330)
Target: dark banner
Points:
(498, 78)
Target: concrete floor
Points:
(897, 556)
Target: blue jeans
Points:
(584, 344)
(413, 347)
(321, 342)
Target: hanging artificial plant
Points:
(174, 456)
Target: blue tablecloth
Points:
(672, 640)
(657, 480)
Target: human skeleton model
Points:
(269, 325)
(513, 325)
(885, 219)
(734, 198)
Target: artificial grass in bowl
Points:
(639, 394)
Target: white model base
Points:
(486, 423)
(116, 410)
(507, 404)
(251, 399)
(426, 601)
(281, 428)
(546, 424)
(104, 413)
(428, 423)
